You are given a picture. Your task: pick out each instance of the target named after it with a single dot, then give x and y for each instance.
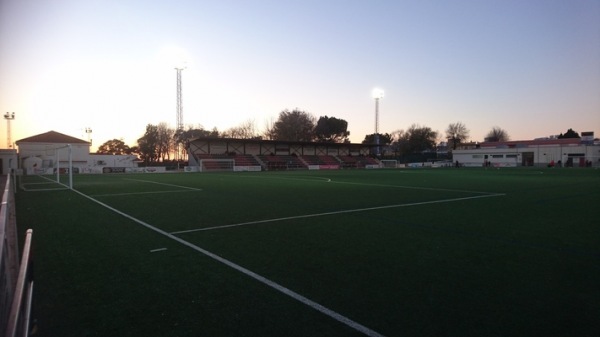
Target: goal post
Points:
(216, 165)
(68, 166)
(387, 163)
(54, 171)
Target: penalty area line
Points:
(294, 295)
(165, 184)
(335, 213)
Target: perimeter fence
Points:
(16, 279)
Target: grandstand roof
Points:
(269, 141)
(52, 137)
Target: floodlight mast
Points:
(179, 113)
(89, 132)
(179, 121)
(9, 117)
(377, 95)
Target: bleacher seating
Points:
(281, 162)
(239, 159)
(321, 160)
(290, 162)
(357, 162)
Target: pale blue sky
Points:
(531, 67)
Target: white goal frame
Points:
(69, 168)
(389, 163)
(219, 165)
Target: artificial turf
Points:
(419, 252)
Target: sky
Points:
(529, 67)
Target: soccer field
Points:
(423, 252)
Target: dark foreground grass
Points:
(440, 252)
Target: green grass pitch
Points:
(423, 252)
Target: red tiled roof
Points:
(52, 137)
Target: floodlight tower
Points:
(179, 120)
(179, 113)
(89, 132)
(377, 95)
(9, 117)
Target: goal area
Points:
(387, 163)
(216, 165)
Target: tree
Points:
(114, 146)
(269, 131)
(294, 125)
(191, 133)
(246, 130)
(569, 134)
(147, 144)
(331, 130)
(165, 141)
(416, 139)
(497, 134)
(457, 133)
(384, 139)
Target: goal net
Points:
(216, 165)
(52, 172)
(389, 163)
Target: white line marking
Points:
(158, 250)
(136, 193)
(335, 212)
(165, 184)
(329, 180)
(340, 318)
(414, 187)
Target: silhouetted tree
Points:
(497, 134)
(295, 125)
(457, 133)
(331, 130)
(148, 144)
(114, 146)
(416, 139)
(569, 134)
(192, 133)
(384, 139)
(246, 130)
(165, 141)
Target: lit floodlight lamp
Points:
(377, 93)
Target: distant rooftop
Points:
(515, 143)
(52, 137)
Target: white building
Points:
(573, 152)
(8, 160)
(45, 152)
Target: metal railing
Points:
(20, 311)
(15, 280)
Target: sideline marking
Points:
(335, 212)
(338, 317)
